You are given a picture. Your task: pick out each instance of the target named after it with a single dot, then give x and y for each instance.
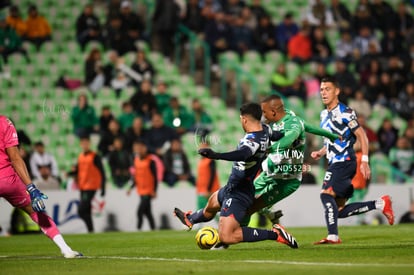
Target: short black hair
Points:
(330, 79)
(252, 109)
(39, 143)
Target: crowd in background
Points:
(372, 59)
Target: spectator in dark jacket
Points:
(88, 27)
(264, 35)
(143, 101)
(387, 136)
(119, 162)
(131, 25)
(166, 19)
(107, 138)
(135, 132)
(193, 18)
(177, 166)
(143, 67)
(10, 42)
(285, 31)
(161, 135)
(217, 36)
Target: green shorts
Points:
(272, 190)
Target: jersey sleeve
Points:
(290, 135)
(350, 119)
(320, 132)
(10, 138)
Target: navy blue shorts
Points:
(234, 204)
(338, 177)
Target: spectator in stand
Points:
(177, 166)
(135, 132)
(257, 9)
(144, 102)
(397, 72)
(285, 31)
(105, 117)
(404, 20)
(45, 180)
(113, 9)
(127, 116)
(38, 28)
(319, 15)
(177, 117)
(94, 74)
(241, 37)
(392, 43)
(344, 47)
(119, 162)
(193, 18)
(143, 67)
(217, 35)
(15, 21)
(106, 143)
(383, 13)
(387, 90)
(84, 118)
(162, 97)
(346, 81)
(201, 120)
(371, 89)
(10, 42)
(88, 27)
(131, 25)
(363, 40)
(281, 81)
(402, 157)
(359, 104)
(387, 136)
(410, 75)
(321, 50)
(41, 158)
(373, 68)
(249, 19)
(341, 15)
(362, 18)
(373, 144)
(232, 10)
(209, 8)
(299, 47)
(264, 36)
(116, 38)
(165, 23)
(161, 135)
(404, 105)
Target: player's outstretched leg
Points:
(284, 237)
(183, 217)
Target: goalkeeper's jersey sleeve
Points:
(286, 155)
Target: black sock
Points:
(331, 213)
(257, 235)
(356, 208)
(198, 217)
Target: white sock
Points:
(59, 241)
(333, 237)
(379, 204)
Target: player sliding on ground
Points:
(17, 188)
(237, 195)
(282, 174)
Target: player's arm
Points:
(320, 132)
(19, 166)
(319, 153)
(98, 163)
(363, 141)
(276, 135)
(241, 154)
(286, 141)
(153, 168)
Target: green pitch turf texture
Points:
(365, 250)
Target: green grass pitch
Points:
(365, 250)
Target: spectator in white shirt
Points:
(41, 158)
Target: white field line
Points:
(213, 261)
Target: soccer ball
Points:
(207, 237)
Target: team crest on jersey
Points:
(352, 124)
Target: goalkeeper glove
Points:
(36, 197)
